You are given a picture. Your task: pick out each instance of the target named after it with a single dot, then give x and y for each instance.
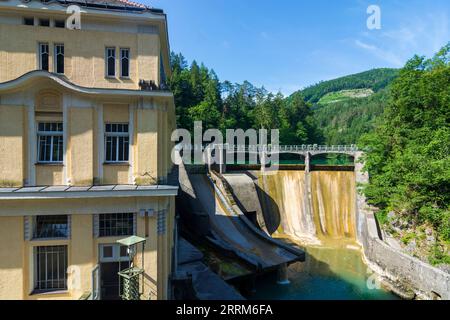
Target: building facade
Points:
(85, 126)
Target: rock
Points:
(428, 231)
(431, 239)
(411, 246)
(400, 289)
(391, 214)
(444, 267)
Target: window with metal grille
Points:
(50, 268)
(59, 58)
(110, 61)
(56, 226)
(43, 56)
(50, 142)
(117, 142)
(124, 62)
(116, 224)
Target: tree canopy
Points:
(408, 155)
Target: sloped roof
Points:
(126, 5)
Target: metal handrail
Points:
(271, 148)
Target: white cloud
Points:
(422, 35)
(388, 56)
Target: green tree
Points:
(408, 154)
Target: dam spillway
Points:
(319, 210)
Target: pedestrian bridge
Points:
(296, 149)
(263, 153)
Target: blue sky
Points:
(288, 44)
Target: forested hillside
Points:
(346, 107)
(344, 122)
(375, 79)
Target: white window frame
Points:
(41, 52)
(117, 135)
(56, 55)
(116, 257)
(110, 52)
(122, 58)
(52, 134)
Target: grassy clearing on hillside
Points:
(342, 95)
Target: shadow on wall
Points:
(270, 210)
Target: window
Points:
(125, 63)
(43, 56)
(117, 142)
(110, 62)
(50, 268)
(59, 58)
(50, 142)
(113, 253)
(51, 227)
(116, 224)
(28, 21)
(44, 22)
(60, 24)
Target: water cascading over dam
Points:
(323, 212)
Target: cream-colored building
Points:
(85, 125)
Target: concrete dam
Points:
(277, 215)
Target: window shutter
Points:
(27, 228)
(69, 226)
(95, 225)
(161, 222)
(134, 224)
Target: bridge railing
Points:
(275, 148)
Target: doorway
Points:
(113, 259)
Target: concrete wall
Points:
(404, 271)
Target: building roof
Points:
(61, 192)
(64, 82)
(125, 5)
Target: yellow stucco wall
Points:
(47, 175)
(84, 54)
(147, 151)
(81, 146)
(11, 258)
(11, 145)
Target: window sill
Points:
(111, 77)
(116, 163)
(125, 78)
(57, 164)
(49, 239)
(48, 292)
